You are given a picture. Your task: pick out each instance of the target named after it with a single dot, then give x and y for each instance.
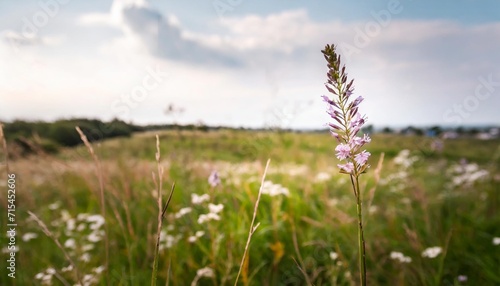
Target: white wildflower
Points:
(67, 268)
(167, 240)
(403, 159)
(322, 177)
(29, 236)
(81, 227)
(96, 220)
(432, 252)
(215, 208)
(70, 224)
(82, 216)
(39, 275)
(194, 238)
(400, 257)
(99, 269)
(334, 255)
(85, 257)
(183, 212)
(47, 279)
(271, 189)
(87, 247)
(70, 243)
(55, 206)
(50, 271)
(196, 199)
(94, 237)
(65, 215)
(496, 241)
(208, 217)
(89, 279)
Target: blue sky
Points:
(248, 63)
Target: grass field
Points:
(413, 200)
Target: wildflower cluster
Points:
(395, 255)
(79, 236)
(347, 119)
(398, 180)
(466, 174)
(172, 235)
(272, 189)
(82, 233)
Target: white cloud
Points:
(96, 18)
(256, 66)
(17, 40)
(160, 35)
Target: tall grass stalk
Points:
(161, 210)
(99, 174)
(252, 227)
(300, 266)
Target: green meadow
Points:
(432, 215)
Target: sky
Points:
(249, 63)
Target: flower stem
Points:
(361, 238)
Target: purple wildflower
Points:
(214, 179)
(357, 101)
(362, 157)
(343, 151)
(347, 121)
(356, 141)
(347, 167)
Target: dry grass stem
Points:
(48, 233)
(99, 174)
(301, 266)
(252, 227)
(161, 209)
(376, 176)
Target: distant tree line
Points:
(435, 130)
(28, 136)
